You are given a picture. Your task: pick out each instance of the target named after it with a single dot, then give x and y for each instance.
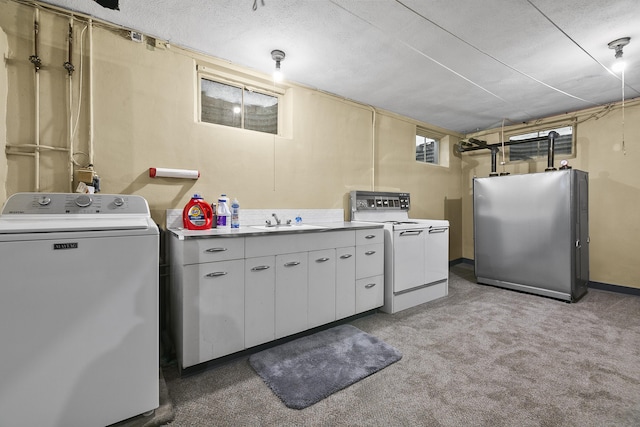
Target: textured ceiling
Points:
(458, 64)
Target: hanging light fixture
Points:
(277, 56)
(618, 67)
(619, 64)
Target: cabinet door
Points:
(408, 259)
(259, 290)
(291, 293)
(322, 288)
(369, 293)
(436, 254)
(369, 260)
(345, 282)
(217, 302)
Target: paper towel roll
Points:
(173, 173)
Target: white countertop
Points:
(248, 230)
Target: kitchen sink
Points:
(283, 227)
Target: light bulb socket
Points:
(278, 56)
(618, 45)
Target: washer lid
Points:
(48, 224)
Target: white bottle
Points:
(224, 214)
(235, 214)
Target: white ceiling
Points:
(462, 65)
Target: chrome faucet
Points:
(276, 217)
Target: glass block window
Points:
(238, 106)
(537, 147)
(427, 149)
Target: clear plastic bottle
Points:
(235, 214)
(223, 213)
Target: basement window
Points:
(238, 106)
(537, 147)
(427, 147)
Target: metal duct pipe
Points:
(550, 148)
(494, 156)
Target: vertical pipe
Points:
(373, 148)
(35, 59)
(550, 148)
(90, 92)
(69, 67)
(494, 165)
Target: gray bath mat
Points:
(306, 370)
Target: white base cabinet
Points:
(232, 293)
(259, 300)
(291, 294)
(322, 288)
(345, 282)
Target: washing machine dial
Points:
(83, 201)
(44, 200)
(118, 201)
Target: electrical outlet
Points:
(136, 36)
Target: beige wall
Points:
(614, 187)
(145, 108)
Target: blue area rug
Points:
(304, 371)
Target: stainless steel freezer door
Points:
(79, 328)
(523, 230)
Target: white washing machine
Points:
(78, 310)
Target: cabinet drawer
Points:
(369, 260)
(369, 236)
(369, 293)
(197, 251)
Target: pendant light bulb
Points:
(278, 56)
(619, 63)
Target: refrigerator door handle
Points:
(578, 245)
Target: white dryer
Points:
(78, 310)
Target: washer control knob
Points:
(44, 200)
(83, 200)
(118, 201)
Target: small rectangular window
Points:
(537, 147)
(238, 106)
(427, 149)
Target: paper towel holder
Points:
(174, 173)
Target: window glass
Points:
(427, 149)
(260, 112)
(563, 144)
(221, 103)
(238, 106)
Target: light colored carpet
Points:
(482, 356)
(161, 416)
(306, 370)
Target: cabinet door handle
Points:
(260, 268)
(369, 285)
(411, 232)
(437, 230)
(216, 274)
(345, 256)
(370, 236)
(370, 252)
(210, 250)
(292, 263)
(325, 259)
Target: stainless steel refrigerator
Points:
(531, 232)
